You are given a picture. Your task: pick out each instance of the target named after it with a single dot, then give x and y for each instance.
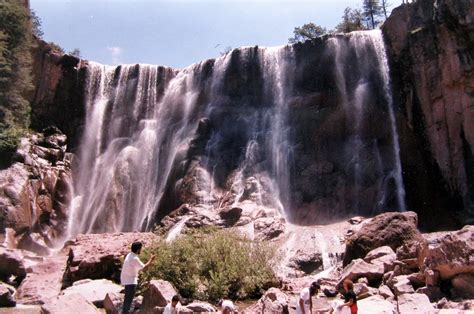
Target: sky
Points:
(178, 33)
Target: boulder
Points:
(431, 277)
(43, 282)
(269, 228)
(414, 303)
(71, 303)
(363, 291)
(306, 262)
(417, 280)
(200, 307)
(387, 261)
(273, 301)
(388, 229)
(378, 252)
(98, 256)
(401, 285)
(158, 293)
(463, 286)
(433, 293)
(93, 291)
(113, 302)
(11, 263)
(386, 292)
(231, 215)
(6, 298)
(376, 305)
(450, 254)
(359, 268)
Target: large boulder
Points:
(113, 302)
(93, 291)
(71, 304)
(376, 305)
(358, 268)
(307, 262)
(158, 293)
(97, 256)
(378, 252)
(273, 301)
(414, 303)
(388, 229)
(451, 254)
(43, 281)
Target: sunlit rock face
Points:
(306, 131)
(432, 62)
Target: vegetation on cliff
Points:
(16, 44)
(209, 264)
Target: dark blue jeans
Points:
(129, 294)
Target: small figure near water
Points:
(349, 305)
(174, 306)
(129, 275)
(304, 305)
(226, 306)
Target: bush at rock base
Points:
(209, 264)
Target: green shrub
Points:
(209, 264)
(9, 140)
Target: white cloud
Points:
(115, 53)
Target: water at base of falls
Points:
(307, 129)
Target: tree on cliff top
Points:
(372, 11)
(306, 32)
(352, 20)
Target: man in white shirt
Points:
(174, 306)
(129, 275)
(305, 303)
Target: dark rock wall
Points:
(431, 50)
(59, 91)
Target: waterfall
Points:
(288, 128)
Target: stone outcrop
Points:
(432, 69)
(94, 291)
(273, 301)
(74, 303)
(158, 294)
(388, 229)
(97, 256)
(36, 190)
(59, 92)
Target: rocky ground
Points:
(396, 269)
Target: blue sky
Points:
(180, 32)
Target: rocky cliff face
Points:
(431, 50)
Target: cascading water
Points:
(288, 128)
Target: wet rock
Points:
(273, 301)
(306, 262)
(93, 291)
(451, 254)
(269, 228)
(200, 307)
(463, 286)
(74, 303)
(388, 229)
(158, 293)
(231, 215)
(414, 303)
(6, 298)
(98, 256)
(376, 305)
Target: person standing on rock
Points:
(129, 275)
(305, 303)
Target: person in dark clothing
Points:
(350, 298)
